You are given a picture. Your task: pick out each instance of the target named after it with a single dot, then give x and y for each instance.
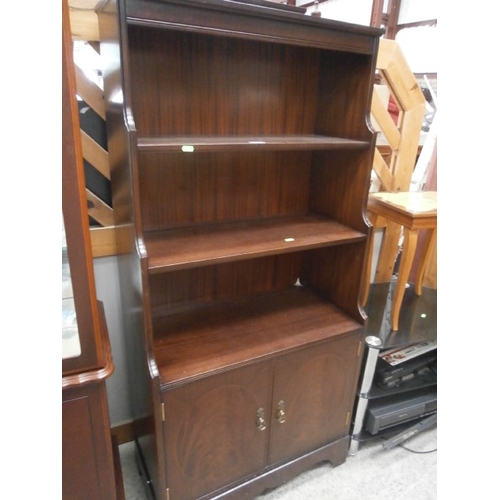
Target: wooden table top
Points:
(414, 210)
(416, 203)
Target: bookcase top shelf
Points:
(208, 143)
(252, 21)
(226, 242)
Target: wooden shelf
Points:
(217, 243)
(246, 142)
(195, 343)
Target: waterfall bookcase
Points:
(240, 154)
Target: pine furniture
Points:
(413, 211)
(240, 157)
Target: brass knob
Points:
(261, 423)
(280, 414)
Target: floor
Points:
(406, 472)
(372, 474)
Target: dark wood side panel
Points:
(339, 189)
(335, 273)
(343, 101)
(75, 218)
(120, 132)
(339, 186)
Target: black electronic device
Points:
(400, 438)
(388, 374)
(388, 412)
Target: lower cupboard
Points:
(227, 428)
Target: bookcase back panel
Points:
(188, 83)
(192, 288)
(180, 189)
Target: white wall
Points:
(108, 292)
(349, 11)
(418, 44)
(419, 47)
(412, 11)
(359, 11)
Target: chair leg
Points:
(427, 248)
(368, 269)
(409, 247)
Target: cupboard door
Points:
(87, 458)
(216, 430)
(313, 397)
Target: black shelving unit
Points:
(418, 322)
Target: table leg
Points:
(427, 247)
(368, 268)
(409, 247)
(377, 222)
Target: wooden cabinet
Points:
(230, 426)
(89, 469)
(241, 157)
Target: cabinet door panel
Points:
(314, 391)
(211, 431)
(87, 456)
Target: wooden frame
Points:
(402, 138)
(94, 355)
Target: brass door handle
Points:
(280, 414)
(261, 423)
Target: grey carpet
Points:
(372, 474)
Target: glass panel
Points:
(70, 337)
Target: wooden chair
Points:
(394, 173)
(414, 211)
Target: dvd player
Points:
(387, 374)
(384, 413)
